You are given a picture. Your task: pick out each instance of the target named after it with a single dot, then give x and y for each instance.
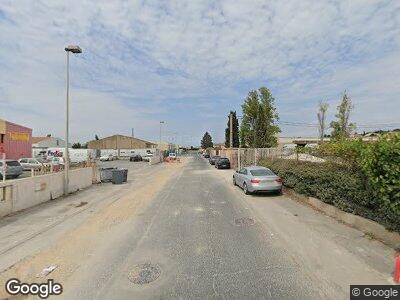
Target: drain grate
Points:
(144, 273)
(244, 222)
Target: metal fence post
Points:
(239, 159)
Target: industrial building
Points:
(118, 142)
(44, 142)
(15, 140)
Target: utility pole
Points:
(133, 132)
(231, 130)
(66, 154)
(161, 122)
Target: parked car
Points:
(172, 155)
(223, 163)
(13, 169)
(107, 157)
(257, 179)
(147, 155)
(31, 163)
(213, 159)
(136, 157)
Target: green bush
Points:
(380, 162)
(377, 161)
(338, 185)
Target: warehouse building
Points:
(118, 142)
(15, 140)
(44, 142)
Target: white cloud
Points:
(143, 60)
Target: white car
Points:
(172, 155)
(31, 163)
(108, 157)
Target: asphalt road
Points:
(192, 244)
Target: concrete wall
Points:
(16, 195)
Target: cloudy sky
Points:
(189, 62)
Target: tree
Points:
(259, 117)
(235, 131)
(76, 145)
(96, 137)
(342, 128)
(323, 107)
(250, 109)
(206, 141)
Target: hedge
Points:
(338, 185)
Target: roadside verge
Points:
(369, 227)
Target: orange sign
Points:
(2, 127)
(19, 136)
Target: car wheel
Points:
(279, 192)
(245, 190)
(234, 180)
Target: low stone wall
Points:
(19, 194)
(369, 227)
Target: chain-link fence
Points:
(244, 157)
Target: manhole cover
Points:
(244, 221)
(144, 273)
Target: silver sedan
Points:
(257, 179)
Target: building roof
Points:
(125, 136)
(38, 139)
(3, 120)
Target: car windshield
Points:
(224, 159)
(261, 172)
(12, 163)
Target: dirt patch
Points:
(73, 247)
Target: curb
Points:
(369, 227)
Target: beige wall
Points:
(119, 142)
(27, 192)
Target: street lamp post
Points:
(161, 122)
(74, 49)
